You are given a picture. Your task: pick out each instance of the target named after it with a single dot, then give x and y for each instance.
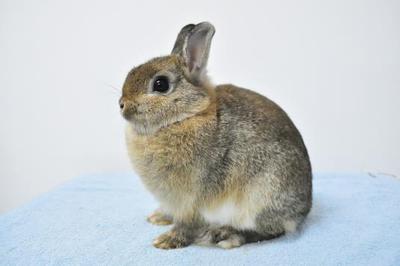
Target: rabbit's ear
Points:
(193, 44)
(181, 39)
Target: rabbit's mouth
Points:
(128, 114)
(140, 122)
(130, 111)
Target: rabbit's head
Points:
(168, 89)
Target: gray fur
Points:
(255, 136)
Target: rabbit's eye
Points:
(161, 84)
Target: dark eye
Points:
(161, 84)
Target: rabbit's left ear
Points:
(181, 39)
(193, 44)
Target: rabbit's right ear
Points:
(193, 44)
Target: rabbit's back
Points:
(259, 160)
(254, 116)
(259, 133)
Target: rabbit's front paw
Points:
(171, 240)
(159, 218)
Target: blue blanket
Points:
(100, 220)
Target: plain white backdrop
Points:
(334, 66)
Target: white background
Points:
(334, 66)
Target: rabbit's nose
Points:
(121, 104)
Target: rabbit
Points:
(226, 164)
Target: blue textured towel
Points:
(100, 219)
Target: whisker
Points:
(114, 90)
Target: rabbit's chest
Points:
(162, 154)
(164, 158)
(166, 169)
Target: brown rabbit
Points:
(227, 165)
